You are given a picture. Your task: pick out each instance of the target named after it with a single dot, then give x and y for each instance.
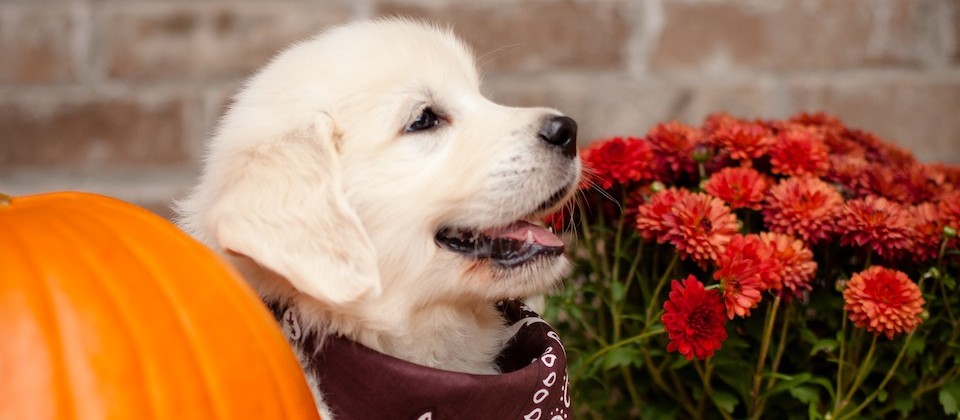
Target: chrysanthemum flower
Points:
(699, 226)
(948, 208)
(925, 231)
(742, 141)
(796, 260)
(738, 187)
(875, 223)
(693, 318)
(799, 152)
(745, 269)
(650, 215)
(883, 301)
(617, 161)
(805, 207)
(817, 119)
(673, 145)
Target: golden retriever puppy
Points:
(363, 180)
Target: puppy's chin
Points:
(494, 281)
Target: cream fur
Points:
(314, 191)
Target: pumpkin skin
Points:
(108, 311)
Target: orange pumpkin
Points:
(110, 312)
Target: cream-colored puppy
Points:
(363, 178)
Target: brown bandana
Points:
(360, 383)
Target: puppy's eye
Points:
(425, 121)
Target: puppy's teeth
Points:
(529, 237)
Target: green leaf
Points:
(827, 345)
(805, 394)
(882, 396)
(789, 383)
(623, 356)
(904, 403)
(949, 281)
(617, 290)
(725, 400)
(949, 397)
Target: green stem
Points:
(654, 298)
(676, 395)
(841, 362)
(600, 353)
(889, 375)
(781, 346)
(705, 377)
(761, 359)
(631, 388)
(615, 312)
(865, 366)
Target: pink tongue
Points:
(518, 231)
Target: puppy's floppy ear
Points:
(284, 207)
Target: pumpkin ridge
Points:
(235, 298)
(147, 259)
(52, 330)
(117, 303)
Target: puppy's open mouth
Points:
(512, 245)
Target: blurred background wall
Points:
(118, 96)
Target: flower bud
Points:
(657, 186)
(840, 285)
(701, 153)
(950, 231)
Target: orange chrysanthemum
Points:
(799, 152)
(796, 260)
(693, 318)
(883, 301)
(699, 226)
(876, 223)
(617, 161)
(805, 207)
(745, 269)
(742, 141)
(738, 187)
(650, 215)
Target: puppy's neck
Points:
(451, 336)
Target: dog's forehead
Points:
(402, 47)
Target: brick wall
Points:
(118, 96)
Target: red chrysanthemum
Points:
(742, 141)
(673, 145)
(817, 119)
(805, 207)
(875, 223)
(745, 269)
(883, 301)
(693, 318)
(799, 152)
(926, 231)
(948, 208)
(699, 226)
(650, 215)
(738, 187)
(849, 173)
(617, 161)
(796, 260)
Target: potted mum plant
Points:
(793, 268)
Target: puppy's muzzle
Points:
(560, 132)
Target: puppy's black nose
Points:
(560, 132)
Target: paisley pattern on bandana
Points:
(359, 383)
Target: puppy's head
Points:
(365, 165)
